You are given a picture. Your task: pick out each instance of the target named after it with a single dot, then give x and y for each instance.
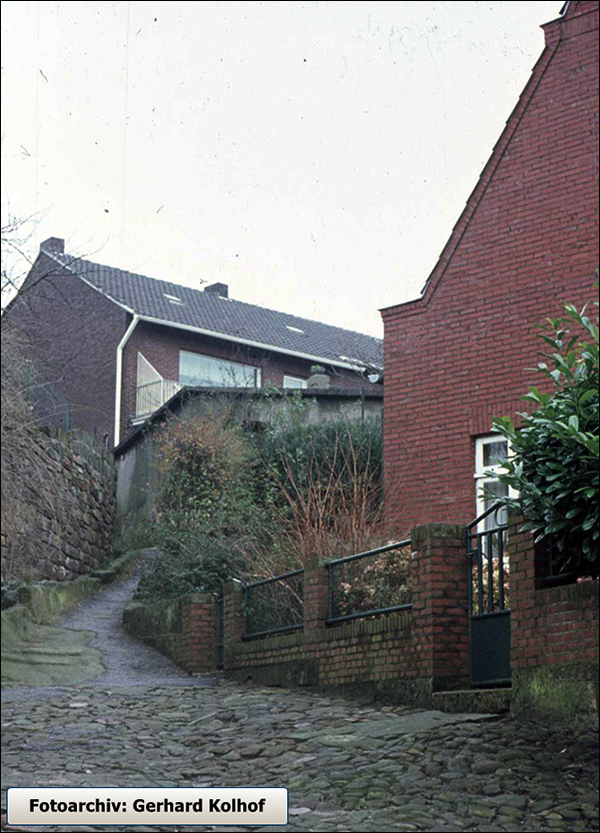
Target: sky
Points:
(314, 156)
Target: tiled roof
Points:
(225, 317)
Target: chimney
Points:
(220, 289)
(318, 378)
(53, 244)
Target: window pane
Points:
(195, 369)
(494, 489)
(293, 382)
(494, 453)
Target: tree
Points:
(555, 462)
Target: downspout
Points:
(118, 391)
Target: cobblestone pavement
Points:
(348, 766)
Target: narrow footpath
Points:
(348, 765)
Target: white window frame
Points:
(287, 378)
(482, 476)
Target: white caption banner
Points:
(146, 806)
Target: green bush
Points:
(342, 447)
(200, 564)
(205, 499)
(234, 503)
(555, 462)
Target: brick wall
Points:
(59, 524)
(161, 347)
(559, 624)
(526, 241)
(71, 333)
(183, 629)
(406, 655)
(554, 636)
(411, 654)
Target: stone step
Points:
(473, 701)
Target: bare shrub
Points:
(325, 497)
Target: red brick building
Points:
(110, 346)
(526, 241)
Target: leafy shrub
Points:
(201, 564)
(252, 505)
(205, 497)
(342, 449)
(203, 465)
(555, 462)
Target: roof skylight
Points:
(173, 299)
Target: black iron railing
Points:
(274, 605)
(488, 573)
(370, 583)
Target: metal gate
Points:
(489, 613)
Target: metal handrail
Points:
(493, 508)
(275, 578)
(248, 634)
(331, 619)
(388, 547)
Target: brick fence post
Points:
(439, 573)
(521, 561)
(233, 617)
(315, 599)
(199, 630)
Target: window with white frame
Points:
(293, 382)
(196, 369)
(490, 452)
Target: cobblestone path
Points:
(348, 766)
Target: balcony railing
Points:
(153, 395)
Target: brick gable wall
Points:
(71, 333)
(527, 240)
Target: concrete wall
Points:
(135, 483)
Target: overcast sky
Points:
(312, 155)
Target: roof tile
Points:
(208, 311)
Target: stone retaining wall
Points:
(60, 521)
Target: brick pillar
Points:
(521, 560)
(199, 630)
(233, 617)
(315, 599)
(440, 618)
